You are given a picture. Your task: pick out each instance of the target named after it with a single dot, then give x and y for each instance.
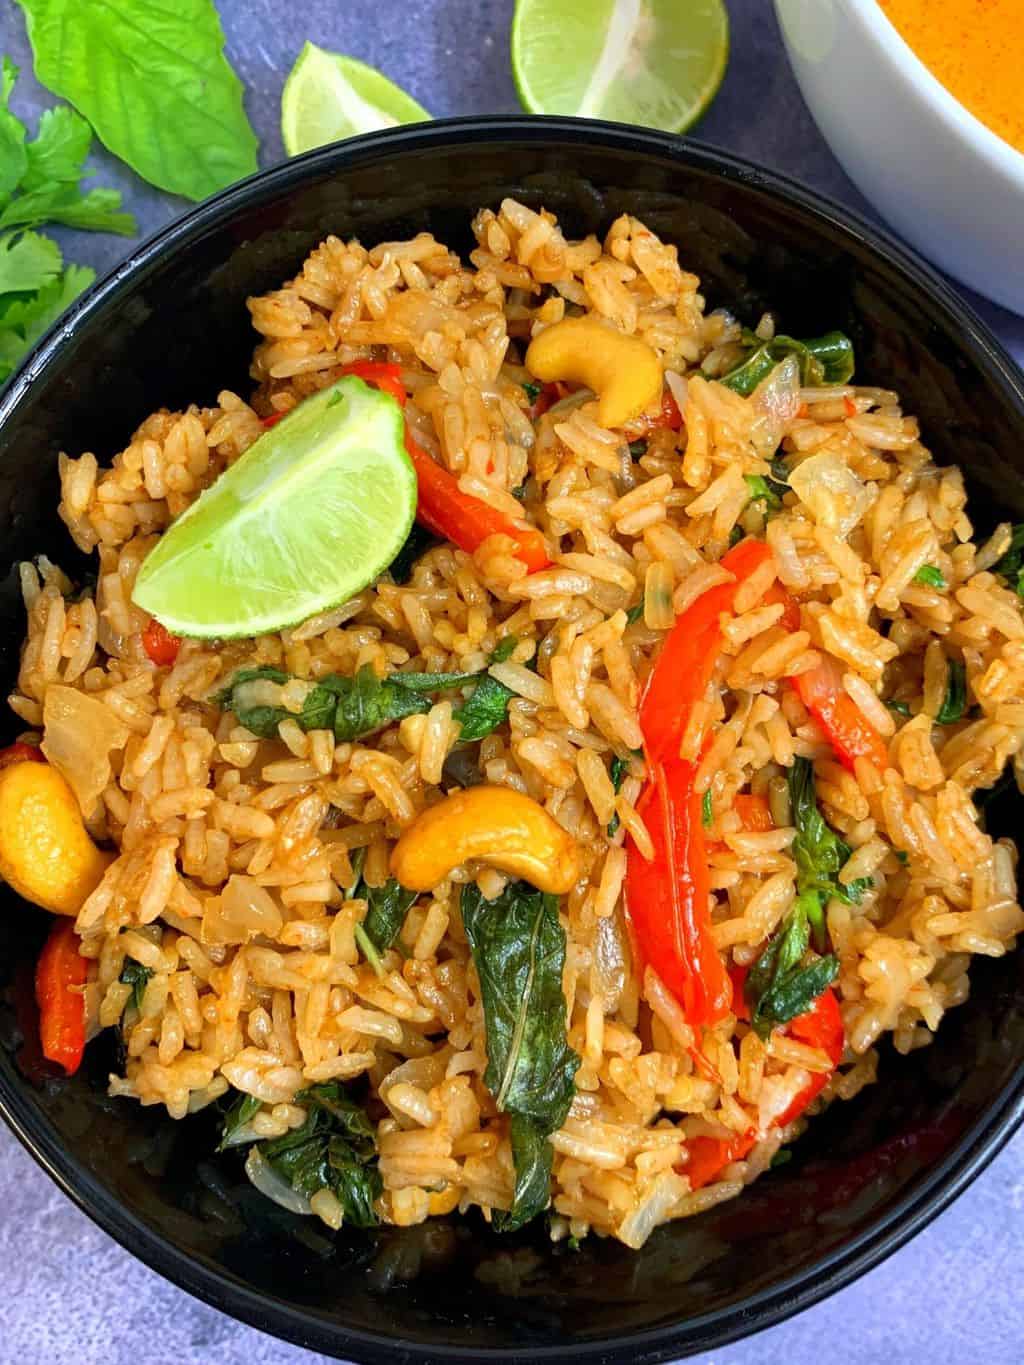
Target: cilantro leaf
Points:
(24, 320)
(58, 150)
(27, 262)
(955, 701)
(13, 157)
(97, 211)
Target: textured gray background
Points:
(69, 1292)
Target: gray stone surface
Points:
(71, 1294)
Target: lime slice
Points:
(311, 513)
(328, 97)
(654, 62)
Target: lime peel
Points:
(329, 96)
(313, 511)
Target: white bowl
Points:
(943, 179)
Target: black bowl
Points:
(170, 327)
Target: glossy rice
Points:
(236, 852)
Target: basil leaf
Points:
(351, 707)
(931, 576)
(504, 649)
(518, 948)
(485, 710)
(796, 992)
(955, 701)
(335, 1149)
(154, 83)
(901, 708)
(707, 812)
(387, 907)
(637, 450)
(417, 543)
(765, 490)
(137, 976)
(819, 852)
(245, 1108)
(635, 613)
(1011, 564)
(617, 771)
(531, 390)
(735, 536)
(532, 1155)
(827, 359)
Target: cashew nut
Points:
(494, 825)
(622, 370)
(46, 853)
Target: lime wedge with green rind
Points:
(658, 63)
(311, 513)
(328, 96)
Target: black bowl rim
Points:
(977, 1146)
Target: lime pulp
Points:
(329, 96)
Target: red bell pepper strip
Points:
(274, 418)
(160, 645)
(754, 812)
(549, 395)
(667, 897)
(689, 654)
(848, 731)
(382, 375)
(60, 972)
(21, 753)
(822, 1027)
(442, 507)
(466, 521)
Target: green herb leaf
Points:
(28, 262)
(637, 449)
(97, 211)
(153, 81)
(707, 813)
(13, 154)
(58, 151)
(635, 613)
(244, 1109)
(1011, 564)
(827, 359)
(617, 771)
(781, 1158)
(766, 491)
(24, 320)
(955, 701)
(819, 853)
(335, 1149)
(531, 390)
(504, 649)
(931, 576)
(137, 976)
(735, 536)
(518, 948)
(417, 543)
(901, 708)
(485, 710)
(387, 907)
(351, 707)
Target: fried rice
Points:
(235, 853)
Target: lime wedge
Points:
(654, 62)
(328, 97)
(311, 513)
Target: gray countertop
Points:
(70, 1293)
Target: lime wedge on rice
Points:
(312, 512)
(328, 97)
(654, 62)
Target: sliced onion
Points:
(78, 735)
(274, 1186)
(776, 400)
(611, 960)
(831, 492)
